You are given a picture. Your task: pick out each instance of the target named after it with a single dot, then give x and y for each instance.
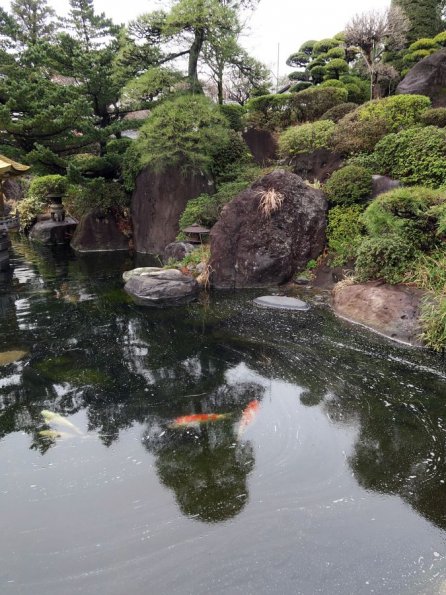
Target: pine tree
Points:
(35, 21)
(425, 17)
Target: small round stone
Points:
(281, 302)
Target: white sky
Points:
(285, 22)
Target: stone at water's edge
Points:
(392, 310)
(98, 232)
(250, 249)
(428, 77)
(140, 272)
(158, 201)
(51, 232)
(162, 288)
(280, 302)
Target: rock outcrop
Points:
(262, 144)
(250, 248)
(428, 77)
(98, 231)
(162, 288)
(391, 310)
(318, 165)
(158, 201)
(51, 232)
(382, 184)
(177, 250)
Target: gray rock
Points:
(281, 303)
(428, 77)
(253, 249)
(178, 250)
(140, 272)
(98, 231)
(51, 232)
(382, 184)
(162, 288)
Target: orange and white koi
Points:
(248, 415)
(186, 421)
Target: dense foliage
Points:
(306, 138)
(349, 184)
(414, 156)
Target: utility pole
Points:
(278, 62)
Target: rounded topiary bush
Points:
(234, 113)
(337, 112)
(435, 117)
(306, 138)
(416, 156)
(41, 186)
(412, 214)
(349, 184)
(386, 257)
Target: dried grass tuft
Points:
(271, 200)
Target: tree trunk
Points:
(194, 54)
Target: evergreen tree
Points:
(425, 17)
(35, 21)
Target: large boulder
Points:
(262, 144)
(98, 231)
(162, 288)
(428, 77)
(391, 310)
(252, 249)
(51, 232)
(317, 165)
(158, 201)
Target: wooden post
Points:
(2, 200)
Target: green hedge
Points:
(349, 184)
(306, 138)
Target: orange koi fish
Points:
(248, 415)
(198, 418)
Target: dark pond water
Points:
(336, 486)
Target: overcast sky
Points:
(285, 22)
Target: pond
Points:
(323, 470)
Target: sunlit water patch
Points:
(215, 448)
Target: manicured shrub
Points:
(28, 209)
(434, 117)
(314, 102)
(95, 194)
(348, 185)
(416, 156)
(232, 154)
(273, 112)
(398, 112)
(306, 138)
(91, 165)
(41, 186)
(410, 214)
(386, 257)
(234, 113)
(344, 233)
(185, 131)
(366, 160)
(337, 112)
(301, 86)
(353, 135)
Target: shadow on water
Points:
(88, 348)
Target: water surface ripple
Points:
(333, 482)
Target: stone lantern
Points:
(57, 210)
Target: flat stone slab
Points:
(281, 303)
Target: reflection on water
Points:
(344, 421)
